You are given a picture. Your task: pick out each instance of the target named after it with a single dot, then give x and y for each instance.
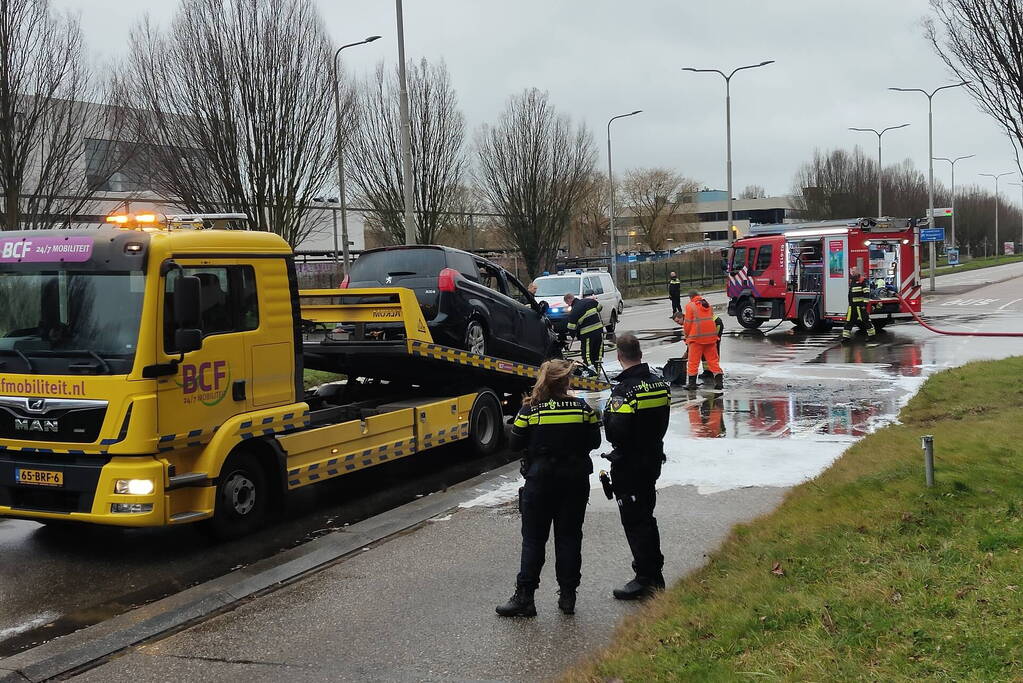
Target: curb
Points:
(81, 648)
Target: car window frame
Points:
(482, 264)
(513, 283)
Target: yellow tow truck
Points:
(151, 373)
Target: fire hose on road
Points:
(916, 316)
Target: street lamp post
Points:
(930, 171)
(1020, 185)
(611, 192)
(952, 163)
(996, 176)
(728, 126)
(406, 132)
(341, 156)
(879, 134)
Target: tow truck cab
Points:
(152, 375)
(800, 272)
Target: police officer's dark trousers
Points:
(676, 303)
(636, 494)
(561, 501)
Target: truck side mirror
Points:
(187, 302)
(187, 339)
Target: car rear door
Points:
(607, 304)
(487, 295)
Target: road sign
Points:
(938, 213)
(932, 235)
(953, 256)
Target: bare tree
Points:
(842, 184)
(655, 197)
(55, 133)
(464, 224)
(981, 41)
(588, 230)
(234, 103)
(438, 160)
(533, 166)
(753, 192)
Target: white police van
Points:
(580, 282)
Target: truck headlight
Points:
(134, 487)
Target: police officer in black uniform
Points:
(584, 322)
(635, 422)
(558, 432)
(675, 294)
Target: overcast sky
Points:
(598, 58)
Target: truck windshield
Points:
(557, 286)
(60, 321)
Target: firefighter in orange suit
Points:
(701, 339)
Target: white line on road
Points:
(32, 623)
(1010, 303)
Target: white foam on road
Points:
(34, 622)
(712, 465)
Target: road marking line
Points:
(1010, 303)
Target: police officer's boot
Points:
(691, 384)
(520, 605)
(566, 600)
(719, 381)
(639, 588)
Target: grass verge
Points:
(314, 378)
(864, 573)
(940, 268)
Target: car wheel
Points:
(486, 429)
(612, 324)
(746, 314)
(476, 338)
(621, 306)
(242, 498)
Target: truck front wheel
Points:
(746, 314)
(242, 499)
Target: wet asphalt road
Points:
(781, 384)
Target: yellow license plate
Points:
(39, 477)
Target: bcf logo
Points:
(206, 377)
(16, 250)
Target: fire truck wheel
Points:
(809, 318)
(242, 498)
(746, 313)
(485, 425)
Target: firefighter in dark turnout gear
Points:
(584, 322)
(557, 432)
(635, 422)
(859, 291)
(675, 294)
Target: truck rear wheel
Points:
(486, 429)
(810, 318)
(746, 314)
(242, 498)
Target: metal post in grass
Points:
(927, 441)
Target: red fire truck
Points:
(800, 271)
